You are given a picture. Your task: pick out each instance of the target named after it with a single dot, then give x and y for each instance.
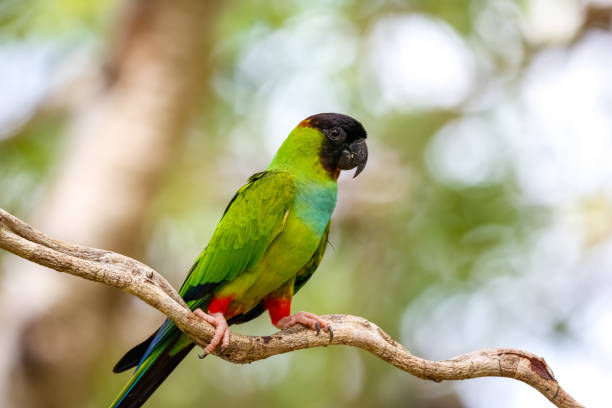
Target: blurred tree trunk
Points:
(119, 144)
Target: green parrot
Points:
(269, 242)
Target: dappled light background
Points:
(483, 218)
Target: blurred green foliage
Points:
(54, 17)
(25, 163)
(383, 254)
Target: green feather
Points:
(273, 232)
(251, 222)
(311, 266)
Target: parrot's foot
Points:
(221, 330)
(307, 319)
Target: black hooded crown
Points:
(342, 134)
(325, 122)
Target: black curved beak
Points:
(354, 155)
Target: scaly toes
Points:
(304, 318)
(221, 330)
(226, 334)
(200, 313)
(311, 320)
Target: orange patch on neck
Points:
(305, 123)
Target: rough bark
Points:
(119, 143)
(142, 281)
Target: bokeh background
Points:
(483, 219)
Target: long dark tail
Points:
(133, 356)
(151, 372)
(156, 357)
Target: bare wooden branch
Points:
(142, 281)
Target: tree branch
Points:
(142, 281)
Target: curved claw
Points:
(331, 333)
(201, 356)
(310, 320)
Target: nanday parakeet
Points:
(270, 240)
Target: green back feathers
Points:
(252, 220)
(275, 228)
(256, 214)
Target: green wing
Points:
(252, 220)
(300, 279)
(306, 272)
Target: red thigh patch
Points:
(219, 304)
(278, 307)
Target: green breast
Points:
(291, 250)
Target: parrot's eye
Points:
(336, 134)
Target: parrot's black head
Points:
(344, 147)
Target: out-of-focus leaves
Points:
(25, 163)
(410, 250)
(49, 17)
